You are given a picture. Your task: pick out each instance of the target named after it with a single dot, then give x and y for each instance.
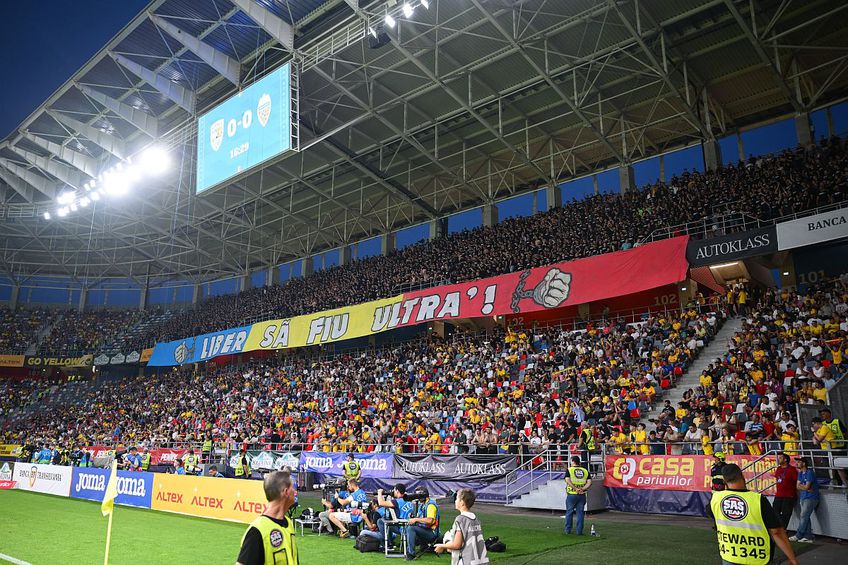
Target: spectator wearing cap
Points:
(787, 488)
(808, 494)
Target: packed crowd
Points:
(792, 349)
(19, 329)
(74, 332)
(514, 391)
(764, 187)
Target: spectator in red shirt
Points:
(787, 489)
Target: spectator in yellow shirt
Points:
(822, 434)
(790, 439)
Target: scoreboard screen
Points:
(245, 130)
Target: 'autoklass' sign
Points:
(731, 247)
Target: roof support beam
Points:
(274, 26)
(42, 184)
(82, 162)
(107, 142)
(550, 82)
(142, 120)
(64, 173)
(226, 66)
(471, 111)
(182, 97)
(660, 69)
(761, 53)
(17, 184)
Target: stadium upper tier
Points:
(765, 188)
(481, 390)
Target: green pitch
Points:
(45, 530)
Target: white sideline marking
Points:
(11, 559)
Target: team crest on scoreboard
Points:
(263, 109)
(216, 134)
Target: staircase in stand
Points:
(690, 379)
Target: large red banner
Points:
(554, 286)
(683, 472)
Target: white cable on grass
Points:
(10, 559)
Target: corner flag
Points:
(111, 491)
(108, 506)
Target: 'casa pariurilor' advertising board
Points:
(246, 129)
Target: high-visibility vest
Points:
(279, 543)
(588, 439)
(191, 462)
(579, 477)
(350, 469)
(207, 446)
(742, 534)
(836, 428)
(145, 461)
(242, 470)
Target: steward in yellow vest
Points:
(242, 466)
(270, 539)
(351, 469)
(837, 427)
(746, 523)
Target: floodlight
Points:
(62, 212)
(426, 4)
(390, 21)
(155, 161)
(95, 196)
(73, 207)
(46, 215)
(407, 10)
(84, 201)
(66, 197)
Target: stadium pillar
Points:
(740, 146)
(142, 298)
(272, 277)
(344, 254)
(803, 129)
(553, 196)
(307, 266)
(83, 298)
(244, 283)
(490, 214)
(195, 294)
(438, 228)
(595, 183)
(387, 243)
(712, 154)
(662, 168)
(625, 175)
(13, 298)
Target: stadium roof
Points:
(471, 101)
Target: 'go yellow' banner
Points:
(314, 329)
(9, 450)
(236, 500)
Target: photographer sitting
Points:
(465, 539)
(331, 504)
(373, 517)
(424, 526)
(403, 509)
(357, 501)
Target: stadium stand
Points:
(765, 188)
(483, 390)
(19, 328)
